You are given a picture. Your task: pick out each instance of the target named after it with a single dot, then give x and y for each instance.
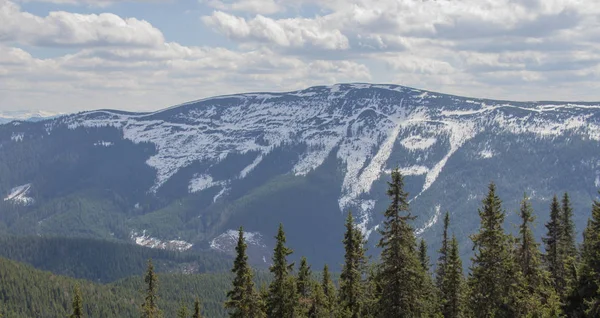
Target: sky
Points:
(142, 55)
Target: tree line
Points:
(509, 275)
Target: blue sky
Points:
(71, 55)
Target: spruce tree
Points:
(197, 309)
(318, 303)
(304, 287)
(329, 292)
(150, 306)
(554, 258)
(241, 299)
(443, 251)
(537, 297)
(401, 276)
(585, 301)
(303, 283)
(423, 257)
(351, 278)
(183, 311)
(77, 303)
(491, 280)
(569, 248)
(452, 285)
(280, 301)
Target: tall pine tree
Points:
(77, 303)
(423, 257)
(537, 297)
(351, 278)
(242, 298)
(585, 301)
(443, 251)
(492, 279)
(401, 276)
(281, 300)
(329, 292)
(150, 306)
(197, 309)
(568, 244)
(183, 311)
(554, 257)
(304, 287)
(452, 285)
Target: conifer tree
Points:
(351, 278)
(318, 303)
(197, 309)
(329, 292)
(452, 285)
(585, 302)
(77, 303)
(491, 280)
(183, 311)
(423, 257)
(282, 291)
(537, 297)
(303, 283)
(150, 306)
(241, 299)
(401, 276)
(304, 287)
(569, 248)
(443, 251)
(553, 258)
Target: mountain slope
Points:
(193, 172)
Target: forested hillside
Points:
(509, 275)
(104, 261)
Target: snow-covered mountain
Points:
(196, 171)
(26, 115)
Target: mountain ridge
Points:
(215, 156)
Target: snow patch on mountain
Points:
(418, 142)
(18, 195)
(433, 220)
(227, 241)
(250, 167)
(414, 170)
(16, 137)
(103, 143)
(146, 240)
(203, 182)
(486, 154)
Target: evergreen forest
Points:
(510, 274)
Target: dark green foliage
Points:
(423, 257)
(492, 277)
(401, 276)
(183, 311)
(242, 298)
(537, 296)
(197, 309)
(304, 280)
(103, 261)
(553, 258)
(318, 303)
(351, 278)
(77, 303)
(150, 306)
(443, 251)
(568, 239)
(452, 285)
(585, 298)
(281, 301)
(329, 293)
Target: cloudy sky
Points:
(68, 55)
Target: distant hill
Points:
(186, 177)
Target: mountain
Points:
(188, 176)
(25, 115)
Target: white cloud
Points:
(295, 32)
(254, 6)
(61, 28)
